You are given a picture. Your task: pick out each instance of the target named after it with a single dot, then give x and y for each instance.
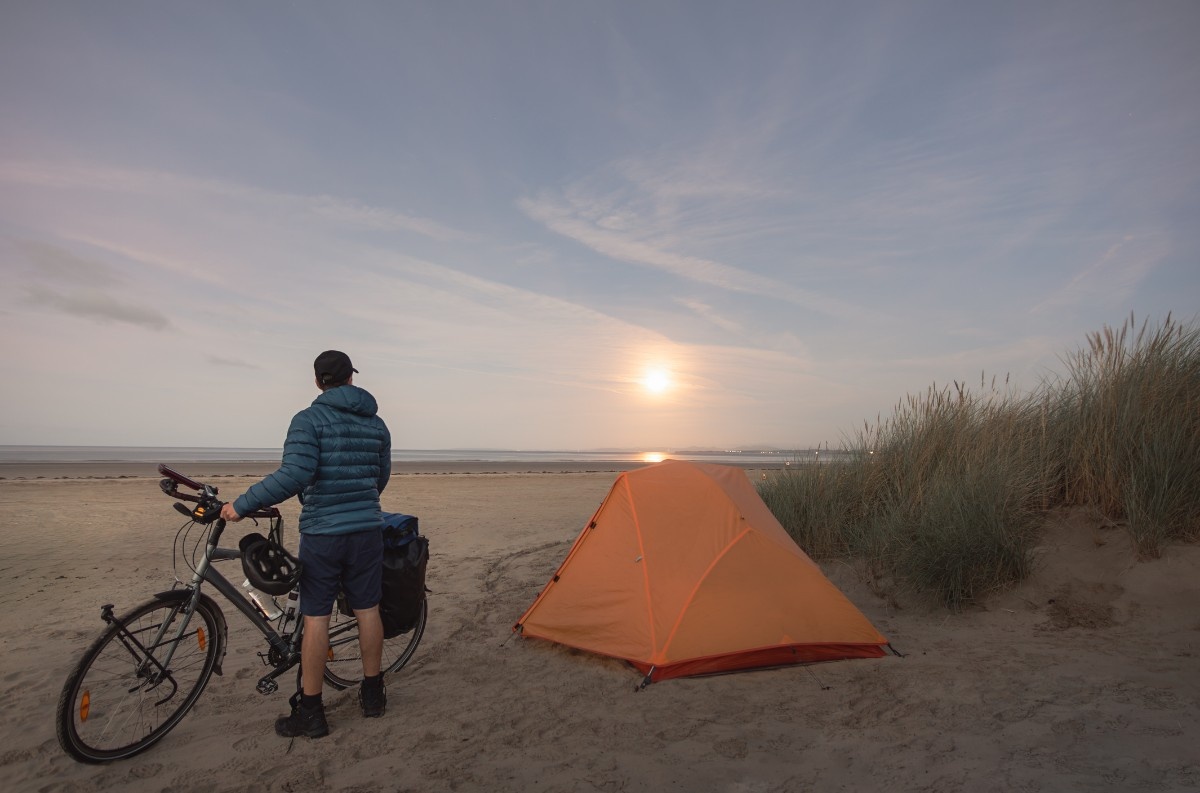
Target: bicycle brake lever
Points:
(201, 514)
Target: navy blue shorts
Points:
(333, 563)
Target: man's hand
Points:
(229, 513)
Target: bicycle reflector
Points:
(201, 639)
(85, 705)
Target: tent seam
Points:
(700, 581)
(637, 527)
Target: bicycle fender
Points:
(222, 627)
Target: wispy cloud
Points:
(709, 314)
(489, 326)
(96, 305)
(1111, 278)
(232, 363)
(62, 266)
(73, 285)
(609, 230)
(526, 336)
(1019, 352)
(349, 214)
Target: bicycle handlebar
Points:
(208, 506)
(186, 481)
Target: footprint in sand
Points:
(247, 744)
(733, 748)
(145, 771)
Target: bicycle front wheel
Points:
(133, 685)
(343, 668)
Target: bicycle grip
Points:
(186, 481)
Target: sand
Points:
(1086, 677)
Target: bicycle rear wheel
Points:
(120, 699)
(343, 669)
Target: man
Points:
(337, 459)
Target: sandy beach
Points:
(1084, 678)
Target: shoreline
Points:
(39, 471)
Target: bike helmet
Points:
(268, 565)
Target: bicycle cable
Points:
(179, 548)
(196, 549)
(179, 551)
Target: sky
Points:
(575, 225)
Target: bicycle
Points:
(147, 668)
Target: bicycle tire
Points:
(115, 705)
(343, 669)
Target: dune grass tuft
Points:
(946, 495)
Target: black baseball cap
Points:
(333, 366)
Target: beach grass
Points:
(947, 495)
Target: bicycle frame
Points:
(284, 644)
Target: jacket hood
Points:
(349, 398)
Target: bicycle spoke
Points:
(345, 668)
(137, 681)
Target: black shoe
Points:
(373, 699)
(309, 722)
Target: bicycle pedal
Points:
(267, 686)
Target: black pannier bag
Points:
(405, 557)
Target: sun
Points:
(656, 381)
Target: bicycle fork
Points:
(140, 651)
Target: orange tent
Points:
(683, 570)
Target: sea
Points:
(169, 454)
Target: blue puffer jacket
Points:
(337, 457)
